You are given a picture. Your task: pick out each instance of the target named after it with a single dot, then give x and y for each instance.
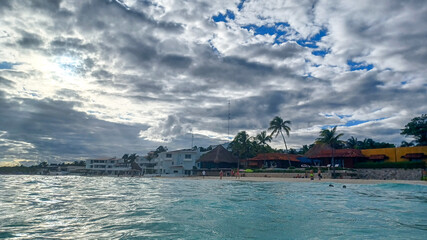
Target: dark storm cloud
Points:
(95, 15)
(176, 61)
(288, 50)
(237, 71)
(5, 5)
(6, 82)
(49, 5)
(30, 40)
(55, 129)
(102, 74)
(61, 45)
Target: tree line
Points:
(244, 146)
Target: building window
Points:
(187, 156)
(168, 155)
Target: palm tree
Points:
(331, 138)
(263, 138)
(352, 143)
(240, 145)
(277, 125)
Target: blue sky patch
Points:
(240, 5)
(223, 17)
(321, 53)
(356, 66)
(7, 65)
(354, 123)
(311, 42)
(269, 29)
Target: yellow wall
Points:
(395, 154)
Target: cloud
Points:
(166, 131)
(109, 77)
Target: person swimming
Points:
(330, 185)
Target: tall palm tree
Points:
(277, 125)
(331, 138)
(263, 138)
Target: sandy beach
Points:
(342, 181)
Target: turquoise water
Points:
(71, 207)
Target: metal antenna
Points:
(192, 140)
(229, 116)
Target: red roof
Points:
(275, 156)
(342, 153)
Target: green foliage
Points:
(243, 146)
(263, 138)
(329, 137)
(390, 165)
(417, 128)
(19, 170)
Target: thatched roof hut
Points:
(218, 157)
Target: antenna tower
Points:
(229, 116)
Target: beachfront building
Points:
(342, 157)
(273, 160)
(177, 163)
(109, 166)
(400, 154)
(217, 158)
(146, 165)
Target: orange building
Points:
(400, 154)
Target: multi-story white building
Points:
(180, 162)
(147, 166)
(113, 165)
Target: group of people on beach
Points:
(221, 174)
(319, 175)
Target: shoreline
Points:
(258, 179)
(327, 180)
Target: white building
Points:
(146, 165)
(114, 166)
(177, 163)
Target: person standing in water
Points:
(221, 173)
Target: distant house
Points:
(110, 166)
(217, 158)
(273, 160)
(178, 163)
(342, 157)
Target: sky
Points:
(82, 79)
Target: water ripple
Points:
(71, 207)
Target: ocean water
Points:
(73, 207)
